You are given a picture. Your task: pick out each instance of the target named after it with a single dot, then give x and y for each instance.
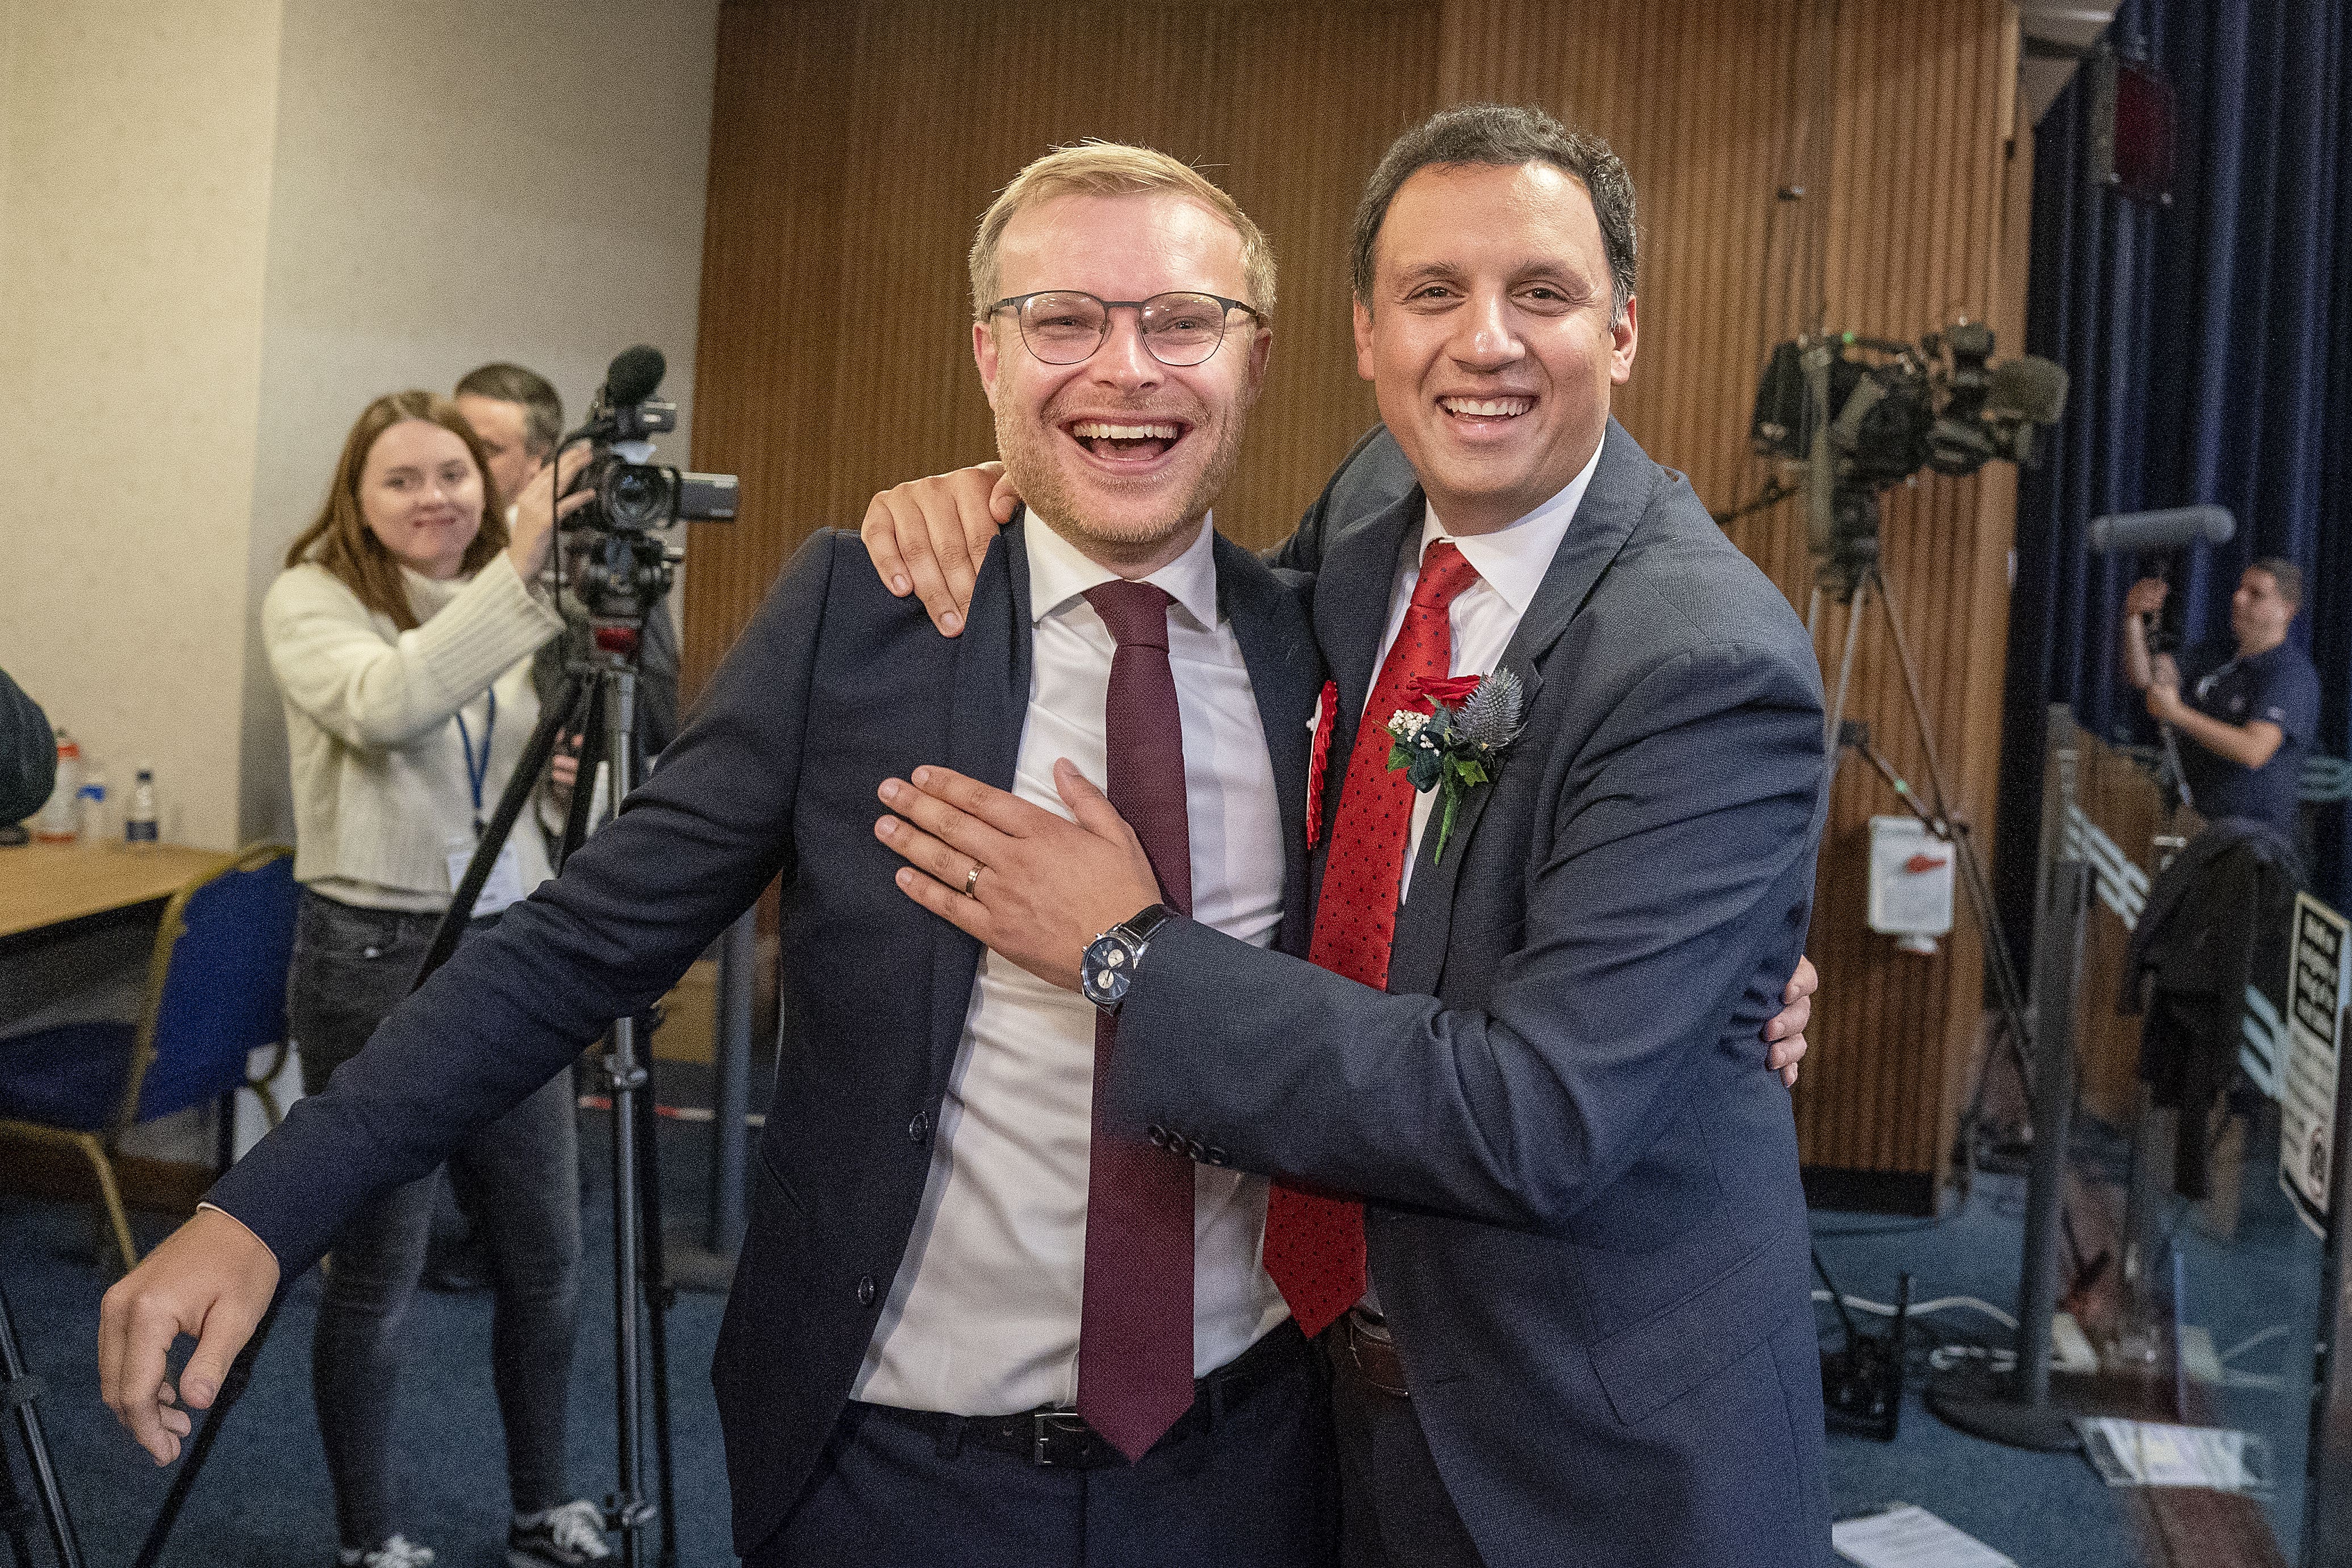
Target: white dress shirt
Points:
(982, 1319)
(1510, 564)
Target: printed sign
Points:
(2319, 988)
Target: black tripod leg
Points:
(17, 1383)
(240, 1372)
(652, 1273)
(583, 790)
(528, 769)
(15, 1514)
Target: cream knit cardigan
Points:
(380, 787)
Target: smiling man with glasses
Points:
(973, 1321)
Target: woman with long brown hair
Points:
(401, 634)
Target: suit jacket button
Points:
(866, 1290)
(1219, 1157)
(919, 1127)
(1158, 1135)
(1196, 1149)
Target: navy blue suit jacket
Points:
(833, 687)
(1584, 1217)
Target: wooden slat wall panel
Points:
(852, 154)
(852, 148)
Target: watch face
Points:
(1110, 966)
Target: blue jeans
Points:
(352, 967)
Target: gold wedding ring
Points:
(971, 880)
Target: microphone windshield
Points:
(633, 375)
(2165, 530)
(2031, 385)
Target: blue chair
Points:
(216, 991)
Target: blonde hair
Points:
(1113, 169)
(341, 541)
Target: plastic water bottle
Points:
(60, 819)
(92, 798)
(139, 822)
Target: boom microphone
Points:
(2157, 530)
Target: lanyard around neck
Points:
(477, 772)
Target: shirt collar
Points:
(1059, 572)
(1513, 559)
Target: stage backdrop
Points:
(2210, 345)
(852, 148)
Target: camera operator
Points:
(518, 415)
(2246, 710)
(29, 754)
(399, 635)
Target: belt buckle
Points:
(1048, 1426)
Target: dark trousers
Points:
(1250, 1488)
(351, 966)
(1395, 1511)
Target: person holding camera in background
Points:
(2248, 709)
(401, 634)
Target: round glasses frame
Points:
(1163, 345)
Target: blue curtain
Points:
(2210, 344)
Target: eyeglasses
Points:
(1063, 326)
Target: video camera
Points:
(623, 570)
(1865, 414)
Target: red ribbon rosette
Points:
(1326, 709)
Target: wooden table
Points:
(48, 884)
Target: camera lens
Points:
(637, 496)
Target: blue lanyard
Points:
(477, 774)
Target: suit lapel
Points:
(1614, 501)
(1351, 610)
(1287, 679)
(985, 715)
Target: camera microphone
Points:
(634, 375)
(2031, 386)
(2151, 531)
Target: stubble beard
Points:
(1025, 447)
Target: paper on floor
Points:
(1908, 1537)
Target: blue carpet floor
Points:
(264, 1500)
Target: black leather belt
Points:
(1059, 1437)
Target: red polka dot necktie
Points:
(1315, 1245)
(1135, 1312)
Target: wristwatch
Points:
(1112, 957)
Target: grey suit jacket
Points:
(1584, 1217)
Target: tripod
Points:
(1852, 571)
(18, 1389)
(604, 682)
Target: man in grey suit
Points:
(1526, 1040)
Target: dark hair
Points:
(2286, 574)
(1503, 135)
(542, 409)
(341, 541)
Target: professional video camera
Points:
(622, 569)
(1864, 413)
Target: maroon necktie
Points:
(1315, 1245)
(1135, 1320)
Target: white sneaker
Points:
(397, 1552)
(562, 1537)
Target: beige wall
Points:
(135, 146)
(455, 183)
(224, 225)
